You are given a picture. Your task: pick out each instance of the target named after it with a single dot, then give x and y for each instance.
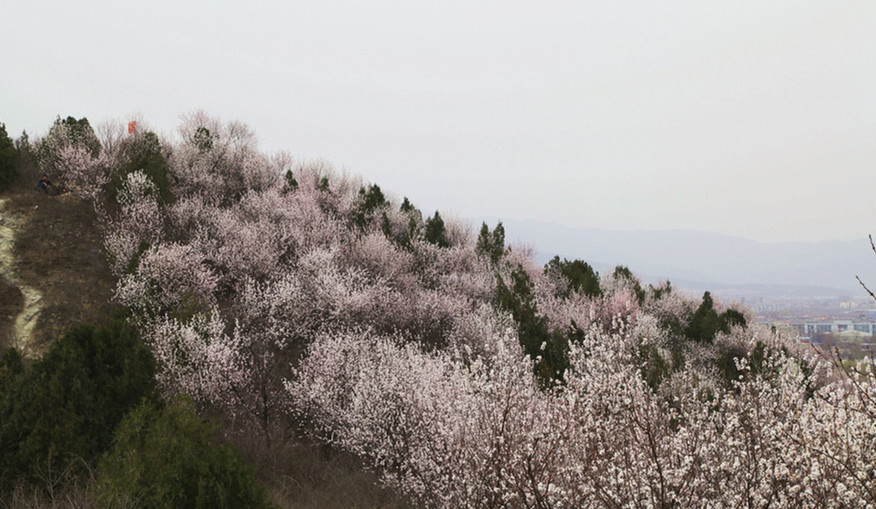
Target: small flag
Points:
(132, 127)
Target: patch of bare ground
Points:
(19, 304)
(11, 305)
(303, 474)
(56, 275)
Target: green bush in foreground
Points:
(59, 414)
(166, 456)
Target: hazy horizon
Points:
(754, 120)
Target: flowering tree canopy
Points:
(277, 290)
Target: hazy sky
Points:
(749, 118)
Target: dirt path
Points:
(25, 320)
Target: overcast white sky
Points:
(755, 119)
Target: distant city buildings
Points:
(841, 326)
(843, 323)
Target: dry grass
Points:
(11, 302)
(58, 252)
(59, 490)
(303, 474)
(72, 496)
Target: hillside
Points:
(51, 267)
(295, 305)
(54, 274)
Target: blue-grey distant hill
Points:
(696, 261)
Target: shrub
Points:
(580, 276)
(166, 456)
(434, 231)
(65, 406)
(546, 349)
(706, 322)
(142, 152)
(66, 133)
(491, 245)
(370, 201)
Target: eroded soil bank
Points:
(52, 271)
(20, 303)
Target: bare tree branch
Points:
(865, 287)
(873, 247)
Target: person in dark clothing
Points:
(44, 184)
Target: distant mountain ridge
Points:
(696, 260)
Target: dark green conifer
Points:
(434, 231)
(8, 159)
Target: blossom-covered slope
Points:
(282, 293)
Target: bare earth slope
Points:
(52, 272)
(11, 297)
